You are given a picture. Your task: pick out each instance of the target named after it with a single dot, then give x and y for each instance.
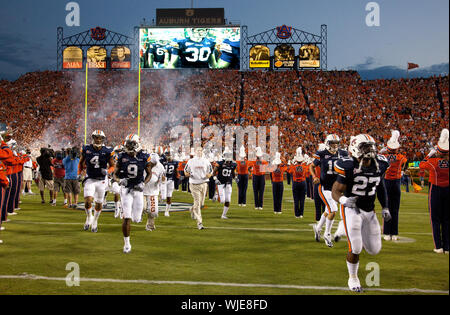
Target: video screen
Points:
(120, 58)
(179, 48)
(73, 58)
(96, 57)
(259, 57)
(309, 56)
(284, 56)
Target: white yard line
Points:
(221, 284)
(193, 226)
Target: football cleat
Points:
(337, 238)
(387, 238)
(86, 227)
(167, 214)
(150, 227)
(438, 251)
(200, 226)
(316, 233)
(394, 238)
(354, 285)
(224, 217)
(126, 249)
(327, 239)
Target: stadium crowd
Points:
(306, 106)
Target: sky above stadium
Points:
(409, 30)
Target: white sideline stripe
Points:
(222, 284)
(191, 227)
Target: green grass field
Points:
(252, 253)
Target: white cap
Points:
(242, 152)
(277, 160)
(298, 156)
(259, 152)
(443, 141)
(393, 143)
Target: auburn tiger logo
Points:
(98, 33)
(284, 32)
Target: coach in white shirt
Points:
(199, 170)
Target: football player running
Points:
(224, 172)
(171, 167)
(95, 158)
(359, 182)
(129, 172)
(152, 190)
(326, 160)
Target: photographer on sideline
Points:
(72, 185)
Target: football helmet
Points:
(132, 144)
(98, 139)
(227, 155)
(363, 146)
(332, 143)
(118, 148)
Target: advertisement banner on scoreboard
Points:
(96, 57)
(73, 58)
(120, 58)
(259, 57)
(180, 48)
(309, 56)
(284, 56)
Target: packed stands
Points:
(48, 107)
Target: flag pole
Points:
(85, 106)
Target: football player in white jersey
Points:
(96, 158)
(152, 190)
(359, 182)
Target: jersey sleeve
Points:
(343, 168)
(317, 157)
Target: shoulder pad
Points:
(345, 164)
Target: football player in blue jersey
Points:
(129, 172)
(326, 160)
(194, 51)
(171, 167)
(224, 173)
(359, 182)
(95, 158)
(158, 54)
(227, 53)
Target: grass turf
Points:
(252, 247)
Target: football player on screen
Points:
(194, 51)
(95, 158)
(224, 172)
(158, 54)
(359, 182)
(129, 172)
(227, 53)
